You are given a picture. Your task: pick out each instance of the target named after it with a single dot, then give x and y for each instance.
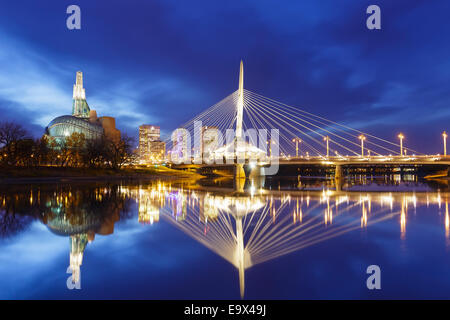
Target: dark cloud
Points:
(167, 60)
(12, 112)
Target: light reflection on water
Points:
(262, 224)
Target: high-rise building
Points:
(151, 148)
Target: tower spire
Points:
(240, 103)
(78, 90)
(80, 108)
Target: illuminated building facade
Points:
(83, 119)
(151, 148)
(181, 142)
(210, 140)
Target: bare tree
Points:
(120, 153)
(94, 152)
(11, 134)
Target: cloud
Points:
(28, 85)
(163, 62)
(31, 259)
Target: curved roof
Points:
(74, 121)
(63, 226)
(69, 124)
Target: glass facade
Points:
(80, 108)
(64, 126)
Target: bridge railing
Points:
(387, 158)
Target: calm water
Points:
(285, 238)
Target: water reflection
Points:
(244, 228)
(75, 212)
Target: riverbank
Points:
(58, 174)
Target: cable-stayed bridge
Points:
(246, 128)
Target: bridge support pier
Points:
(338, 172)
(257, 171)
(239, 172)
(338, 177)
(257, 176)
(239, 177)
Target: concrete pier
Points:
(338, 177)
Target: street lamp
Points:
(327, 139)
(297, 141)
(362, 138)
(401, 137)
(444, 135)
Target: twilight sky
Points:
(162, 62)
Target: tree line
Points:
(19, 149)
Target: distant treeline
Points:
(19, 149)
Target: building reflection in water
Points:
(149, 202)
(246, 229)
(75, 212)
(80, 215)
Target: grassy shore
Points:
(8, 175)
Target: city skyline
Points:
(224, 152)
(329, 64)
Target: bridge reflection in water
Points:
(249, 229)
(245, 229)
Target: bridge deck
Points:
(345, 161)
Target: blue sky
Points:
(162, 62)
